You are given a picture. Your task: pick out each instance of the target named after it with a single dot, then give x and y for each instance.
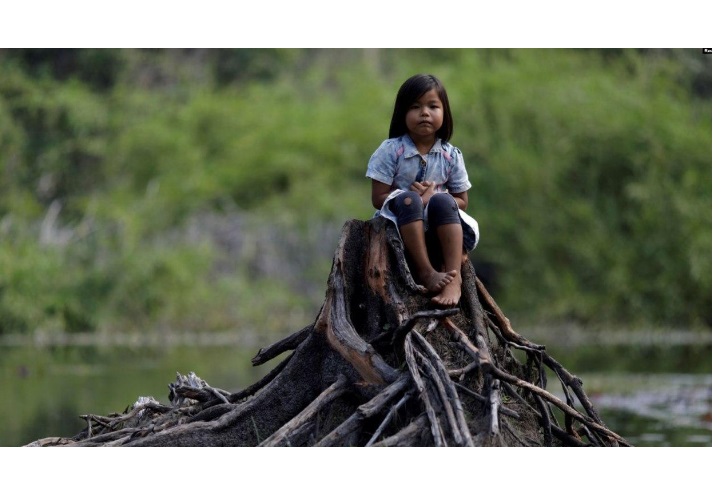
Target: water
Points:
(669, 409)
(650, 393)
(50, 387)
(653, 389)
(675, 410)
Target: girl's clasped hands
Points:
(425, 189)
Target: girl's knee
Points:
(443, 209)
(407, 207)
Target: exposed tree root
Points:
(378, 367)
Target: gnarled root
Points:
(377, 367)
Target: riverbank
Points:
(560, 335)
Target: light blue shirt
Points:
(398, 163)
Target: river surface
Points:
(652, 389)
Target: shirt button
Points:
(423, 162)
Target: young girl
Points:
(419, 182)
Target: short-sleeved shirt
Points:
(398, 163)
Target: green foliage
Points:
(584, 171)
(54, 140)
(591, 174)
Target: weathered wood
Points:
(376, 405)
(495, 407)
(504, 323)
(408, 436)
(389, 417)
(377, 367)
(249, 391)
(287, 344)
(447, 391)
(334, 323)
(410, 323)
(287, 433)
(423, 392)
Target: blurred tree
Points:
(237, 66)
(591, 173)
(99, 68)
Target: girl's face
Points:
(425, 117)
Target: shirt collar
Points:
(410, 148)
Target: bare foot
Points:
(436, 281)
(450, 294)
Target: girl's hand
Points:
(421, 187)
(425, 190)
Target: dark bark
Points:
(379, 366)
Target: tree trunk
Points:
(379, 366)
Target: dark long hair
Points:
(410, 91)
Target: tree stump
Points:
(379, 366)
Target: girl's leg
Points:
(444, 220)
(409, 212)
(450, 237)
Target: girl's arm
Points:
(458, 182)
(379, 193)
(461, 199)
